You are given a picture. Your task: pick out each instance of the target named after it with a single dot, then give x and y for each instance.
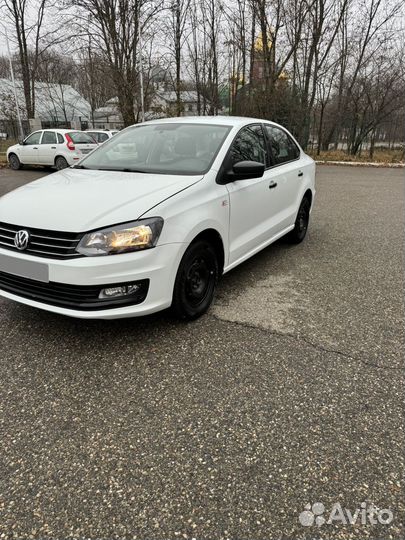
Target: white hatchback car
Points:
(58, 148)
(101, 135)
(154, 217)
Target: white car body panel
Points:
(116, 197)
(246, 214)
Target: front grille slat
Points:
(43, 243)
(11, 244)
(51, 238)
(8, 230)
(79, 297)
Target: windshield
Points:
(175, 148)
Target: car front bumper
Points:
(158, 266)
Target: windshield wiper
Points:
(134, 170)
(124, 169)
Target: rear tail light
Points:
(70, 143)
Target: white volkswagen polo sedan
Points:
(51, 147)
(153, 217)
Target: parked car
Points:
(101, 135)
(52, 147)
(153, 217)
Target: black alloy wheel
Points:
(196, 281)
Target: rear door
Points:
(29, 150)
(83, 142)
(47, 148)
(286, 173)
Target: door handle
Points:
(272, 185)
(300, 173)
(35, 147)
(53, 147)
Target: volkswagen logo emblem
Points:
(21, 240)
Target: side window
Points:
(249, 145)
(101, 137)
(34, 138)
(61, 140)
(283, 148)
(49, 137)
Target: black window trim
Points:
(221, 171)
(274, 165)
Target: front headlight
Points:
(141, 234)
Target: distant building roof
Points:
(186, 96)
(53, 102)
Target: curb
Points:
(362, 164)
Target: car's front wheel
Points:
(14, 162)
(61, 163)
(196, 281)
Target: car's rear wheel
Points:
(61, 163)
(14, 162)
(299, 232)
(196, 281)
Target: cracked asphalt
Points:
(289, 392)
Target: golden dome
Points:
(259, 43)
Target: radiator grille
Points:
(42, 243)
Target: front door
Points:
(29, 150)
(253, 202)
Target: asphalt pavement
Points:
(289, 392)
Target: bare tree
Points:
(33, 40)
(179, 11)
(114, 26)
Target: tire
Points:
(61, 163)
(297, 235)
(14, 162)
(196, 281)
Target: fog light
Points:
(116, 292)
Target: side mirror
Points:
(244, 170)
(21, 142)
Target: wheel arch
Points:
(58, 156)
(215, 239)
(308, 195)
(10, 155)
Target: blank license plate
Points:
(23, 268)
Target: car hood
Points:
(77, 200)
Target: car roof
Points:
(233, 121)
(62, 131)
(101, 130)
